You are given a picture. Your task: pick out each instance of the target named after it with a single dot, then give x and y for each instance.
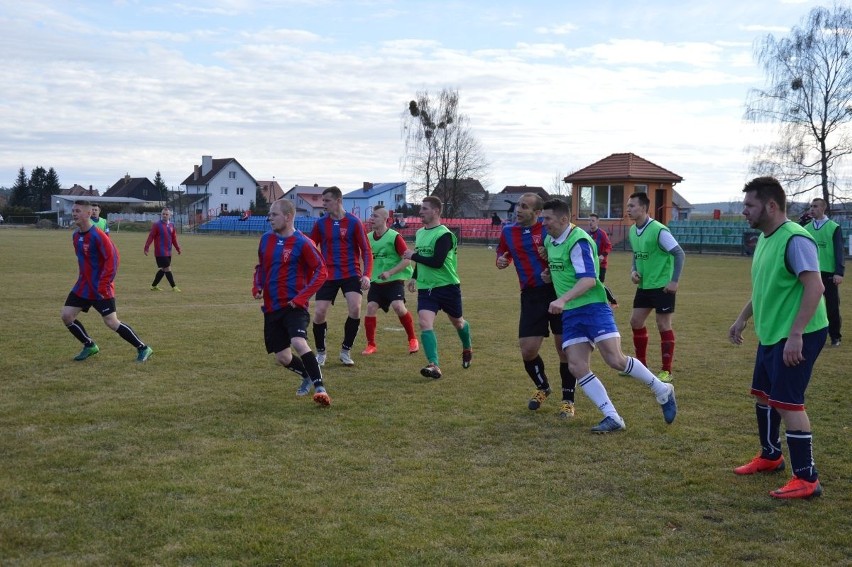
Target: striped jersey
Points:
(97, 260)
(164, 236)
(289, 269)
(523, 243)
(344, 246)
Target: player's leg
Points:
(427, 311)
(370, 323)
(73, 306)
(143, 351)
(323, 301)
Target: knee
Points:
(284, 357)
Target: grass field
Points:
(204, 455)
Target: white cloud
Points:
(561, 29)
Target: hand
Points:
(545, 276)
(793, 350)
(258, 293)
(408, 254)
(635, 277)
(735, 333)
(556, 306)
(412, 285)
(178, 252)
(146, 251)
(542, 252)
(384, 275)
(365, 283)
(503, 261)
(671, 288)
(837, 279)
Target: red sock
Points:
(667, 344)
(370, 328)
(640, 343)
(408, 322)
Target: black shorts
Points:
(163, 261)
(279, 327)
(536, 319)
(102, 306)
(447, 298)
(328, 291)
(656, 299)
(386, 293)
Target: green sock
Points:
(464, 335)
(430, 345)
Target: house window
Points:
(239, 190)
(640, 189)
(398, 197)
(607, 201)
(224, 191)
(224, 208)
(380, 204)
(232, 175)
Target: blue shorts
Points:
(447, 298)
(783, 385)
(588, 324)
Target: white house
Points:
(361, 201)
(307, 198)
(223, 184)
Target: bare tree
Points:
(809, 97)
(440, 147)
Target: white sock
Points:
(595, 390)
(639, 371)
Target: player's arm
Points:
(109, 260)
(316, 267)
(504, 256)
(257, 281)
(400, 247)
(581, 257)
(839, 256)
(174, 239)
(668, 243)
(442, 247)
(735, 333)
(151, 236)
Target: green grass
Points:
(204, 455)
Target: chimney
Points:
(196, 173)
(206, 164)
(126, 178)
(367, 186)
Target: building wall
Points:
(224, 190)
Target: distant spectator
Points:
(245, 216)
(1, 219)
(495, 219)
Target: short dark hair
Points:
(767, 189)
(642, 197)
(594, 215)
(435, 202)
(334, 192)
(558, 206)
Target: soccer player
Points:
(438, 285)
(587, 319)
(343, 241)
(522, 242)
(97, 220)
(657, 264)
(829, 239)
(387, 289)
(289, 271)
(791, 325)
(164, 236)
(604, 245)
(97, 260)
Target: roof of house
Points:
(521, 189)
(132, 187)
(626, 166)
(679, 201)
(313, 199)
(370, 190)
(271, 190)
(465, 186)
(218, 165)
(79, 190)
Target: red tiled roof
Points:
(312, 199)
(623, 166)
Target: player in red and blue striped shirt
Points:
(522, 242)
(290, 270)
(164, 236)
(343, 240)
(97, 260)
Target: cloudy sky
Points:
(314, 91)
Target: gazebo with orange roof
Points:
(604, 187)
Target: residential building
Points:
(307, 199)
(462, 198)
(135, 188)
(360, 202)
(223, 185)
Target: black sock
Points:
(350, 331)
(769, 429)
(312, 367)
(128, 335)
(569, 382)
(320, 330)
(801, 455)
(535, 369)
(79, 331)
(158, 278)
(171, 278)
(296, 365)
